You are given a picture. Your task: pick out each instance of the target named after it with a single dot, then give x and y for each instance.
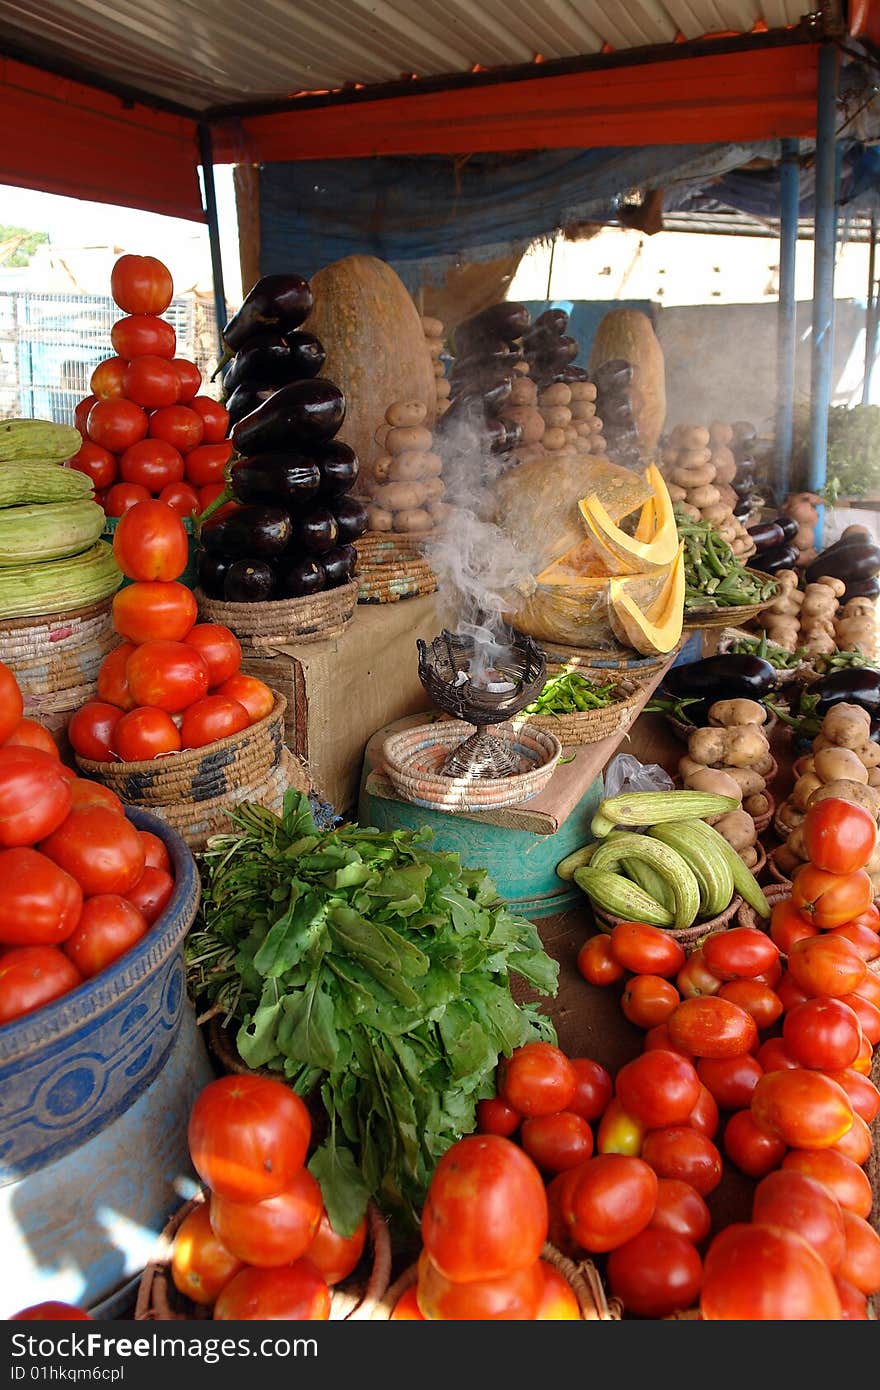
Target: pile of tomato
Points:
(79, 885)
(146, 430)
(261, 1245)
(172, 683)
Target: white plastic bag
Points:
(626, 774)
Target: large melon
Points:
(628, 334)
(577, 613)
(652, 628)
(655, 543)
(376, 350)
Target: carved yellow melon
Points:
(655, 543)
(655, 628)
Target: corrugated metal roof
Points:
(208, 53)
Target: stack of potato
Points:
(434, 337)
(856, 626)
(844, 763)
(814, 619)
(700, 470)
(732, 758)
(406, 486)
(804, 508)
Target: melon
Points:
(576, 613)
(376, 349)
(629, 334)
(653, 629)
(655, 544)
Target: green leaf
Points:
(342, 1186)
(308, 1032)
(286, 941)
(405, 888)
(256, 1040)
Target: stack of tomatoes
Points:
(79, 885)
(146, 430)
(261, 1246)
(172, 683)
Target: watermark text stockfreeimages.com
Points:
(30, 1352)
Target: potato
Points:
(766, 764)
(786, 860)
(582, 410)
(444, 389)
(582, 429)
(803, 790)
(571, 434)
(530, 418)
(693, 436)
(598, 444)
(559, 393)
(398, 497)
(432, 489)
(408, 467)
(435, 346)
(701, 475)
(583, 390)
(720, 516)
(757, 805)
(720, 432)
(849, 791)
(738, 829)
(692, 512)
(402, 438)
(706, 496)
(439, 511)
(846, 726)
(407, 413)
(414, 520)
(740, 746)
(803, 765)
(676, 494)
(523, 392)
(869, 755)
(749, 782)
(688, 765)
(789, 816)
(836, 764)
(382, 468)
(553, 439)
(431, 327)
(556, 416)
(709, 779)
(694, 458)
(379, 519)
(733, 712)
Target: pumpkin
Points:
(621, 553)
(376, 348)
(628, 334)
(576, 612)
(652, 629)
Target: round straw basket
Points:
(589, 726)
(378, 548)
(583, 1279)
(198, 774)
(605, 659)
(762, 823)
(776, 873)
(748, 917)
(287, 620)
(413, 759)
(689, 938)
(57, 657)
(356, 1298)
(390, 568)
(720, 617)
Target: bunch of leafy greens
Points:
(366, 967)
(853, 449)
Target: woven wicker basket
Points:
(353, 1300)
(583, 1279)
(762, 823)
(605, 659)
(689, 938)
(413, 757)
(589, 726)
(775, 873)
(282, 621)
(720, 617)
(390, 568)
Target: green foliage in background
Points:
(21, 256)
(853, 449)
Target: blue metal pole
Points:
(207, 160)
(821, 361)
(870, 316)
(786, 328)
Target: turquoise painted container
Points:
(189, 576)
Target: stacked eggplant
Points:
(742, 444)
(487, 361)
(549, 351)
(774, 544)
(616, 397)
(288, 528)
(855, 560)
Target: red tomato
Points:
(150, 542)
(31, 976)
(207, 463)
(98, 464)
(749, 1148)
(683, 1153)
(840, 837)
(765, 1273)
(864, 1096)
(209, 494)
(843, 1178)
(29, 734)
(143, 335)
(802, 1108)
(168, 676)
(335, 1256)
(108, 379)
(712, 1027)
(189, 379)
(151, 893)
(183, 498)
(865, 939)
(536, 1079)
(680, 1209)
(81, 414)
(151, 463)
(739, 953)
(211, 719)
(731, 1080)
(618, 1132)
(39, 903)
(762, 1003)
(215, 417)
(646, 950)
(799, 1203)
(141, 285)
(113, 682)
(406, 1309)
(869, 989)
(860, 1265)
(108, 927)
(695, 979)
(790, 993)
(152, 382)
(558, 1301)
(294, 1293)
(857, 1142)
(121, 496)
(658, 1089)
(822, 1033)
(51, 1312)
(609, 1200)
(853, 1304)
(220, 650)
(559, 1231)
(771, 977)
(788, 926)
(116, 425)
(248, 1137)
(84, 793)
(829, 900)
(256, 697)
(864, 1061)
(200, 1263)
(593, 1088)
(34, 796)
(826, 965)
(557, 1142)
(154, 612)
(485, 1215)
(273, 1232)
(704, 1116)
(11, 703)
(596, 963)
(144, 734)
(155, 854)
(508, 1297)
(648, 1000)
(177, 425)
(868, 1015)
(655, 1274)
(494, 1117)
(658, 1036)
(100, 849)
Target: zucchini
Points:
(37, 441)
(59, 585)
(41, 482)
(617, 895)
(711, 869)
(652, 808)
(615, 853)
(48, 531)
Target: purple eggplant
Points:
(264, 361)
(506, 320)
(351, 518)
(777, 557)
(275, 301)
(863, 588)
(245, 399)
(853, 562)
(316, 530)
(307, 353)
(614, 375)
(857, 685)
(297, 578)
(212, 570)
(766, 535)
(247, 532)
(339, 564)
(249, 581)
(284, 479)
(338, 466)
(304, 413)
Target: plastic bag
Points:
(626, 774)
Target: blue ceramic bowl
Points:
(69, 1069)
